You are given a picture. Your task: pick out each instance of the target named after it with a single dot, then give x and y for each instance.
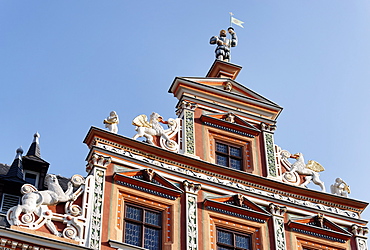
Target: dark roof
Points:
(4, 168)
(16, 169)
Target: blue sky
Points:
(64, 65)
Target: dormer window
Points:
(229, 155)
(31, 177)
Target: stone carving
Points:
(244, 186)
(309, 171)
(340, 188)
(224, 44)
(112, 122)
(33, 199)
(191, 190)
(228, 87)
(154, 128)
(230, 117)
(270, 153)
(97, 212)
(278, 222)
(34, 212)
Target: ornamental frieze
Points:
(240, 185)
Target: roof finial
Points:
(19, 152)
(34, 149)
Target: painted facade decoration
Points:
(294, 171)
(151, 128)
(38, 208)
(214, 179)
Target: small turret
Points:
(16, 169)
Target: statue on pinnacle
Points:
(223, 43)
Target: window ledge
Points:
(123, 246)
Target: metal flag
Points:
(237, 22)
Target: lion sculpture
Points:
(33, 199)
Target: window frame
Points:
(234, 233)
(143, 224)
(228, 155)
(37, 174)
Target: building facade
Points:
(212, 178)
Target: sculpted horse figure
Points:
(310, 170)
(149, 129)
(33, 199)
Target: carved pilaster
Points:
(268, 137)
(98, 165)
(278, 223)
(361, 240)
(186, 113)
(191, 190)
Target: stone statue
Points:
(310, 170)
(112, 122)
(154, 128)
(340, 188)
(34, 201)
(224, 44)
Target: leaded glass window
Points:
(143, 227)
(227, 240)
(229, 156)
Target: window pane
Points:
(151, 240)
(236, 164)
(225, 237)
(235, 152)
(221, 148)
(224, 248)
(133, 234)
(221, 160)
(134, 213)
(152, 218)
(30, 178)
(242, 241)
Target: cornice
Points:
(256, 185)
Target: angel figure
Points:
(112, 122)
(311, 170)
(340, 188)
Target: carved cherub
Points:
(112, 122)
(340, 188)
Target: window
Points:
(8, 201)
(143, 227)
(229, 156)
(31, 177)
(227, 239)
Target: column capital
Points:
(191, 187)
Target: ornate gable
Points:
(238, 206)
(230, 122)
(319, 226)
(148, 181)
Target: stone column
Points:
(268, 138)
(361, 240)
(187, 140)
(97, 165)
(278, 225)
(191, 190)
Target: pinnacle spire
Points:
(34, 149)
(16, 169)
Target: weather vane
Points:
(223, 43)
